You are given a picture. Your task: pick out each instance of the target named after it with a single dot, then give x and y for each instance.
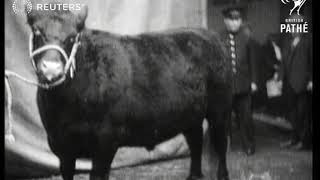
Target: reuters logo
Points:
(20, 6)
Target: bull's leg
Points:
(101, 161)
(218, 138)
(219, 116)
(67, 167)
(194, 140)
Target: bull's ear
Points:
(81, 17)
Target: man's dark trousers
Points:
(242, 108)
(297, 114)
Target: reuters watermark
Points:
(25, 6)
(59, 7)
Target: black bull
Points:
(138, 91)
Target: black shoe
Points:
(308, 146)
(249, 151)
(288, 144)
(298, 146)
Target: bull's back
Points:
(169, 72)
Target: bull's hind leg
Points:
(218, 138)
(219, 114)
(194, 140)
(67, 167)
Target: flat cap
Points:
(234, 10)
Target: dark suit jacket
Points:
(246, 50)
(269, 59)
(296, 67)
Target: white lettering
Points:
(59, 7)
(71, 7)
(294, 28)
(65, 7)
(39, 7)
(288, 29)
(45, 7)
(282, 27)
(78, 7)
(52, 7)
(305, 27)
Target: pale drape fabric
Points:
(30, 155)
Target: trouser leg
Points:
(303, 121)
(292, 113)
(244, 116)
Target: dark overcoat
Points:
(297, 63)
(242, 52)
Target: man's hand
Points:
(254, 87)
(279, 81)
(309, 86)
(280, 84)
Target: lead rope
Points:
(9, 137)
(70, 63)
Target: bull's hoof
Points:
(195, 177)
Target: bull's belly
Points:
(149, 138)
(157, 131)
(83, 144)
(147, 131)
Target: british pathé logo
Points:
(297, 5)
(295, 23)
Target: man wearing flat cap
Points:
(242, 51)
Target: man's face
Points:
(233, 24)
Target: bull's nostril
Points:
(51, 65)
(51, 69)
(49, 78)
(44, 66)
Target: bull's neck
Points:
(88, 51)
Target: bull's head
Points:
(54, 34)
